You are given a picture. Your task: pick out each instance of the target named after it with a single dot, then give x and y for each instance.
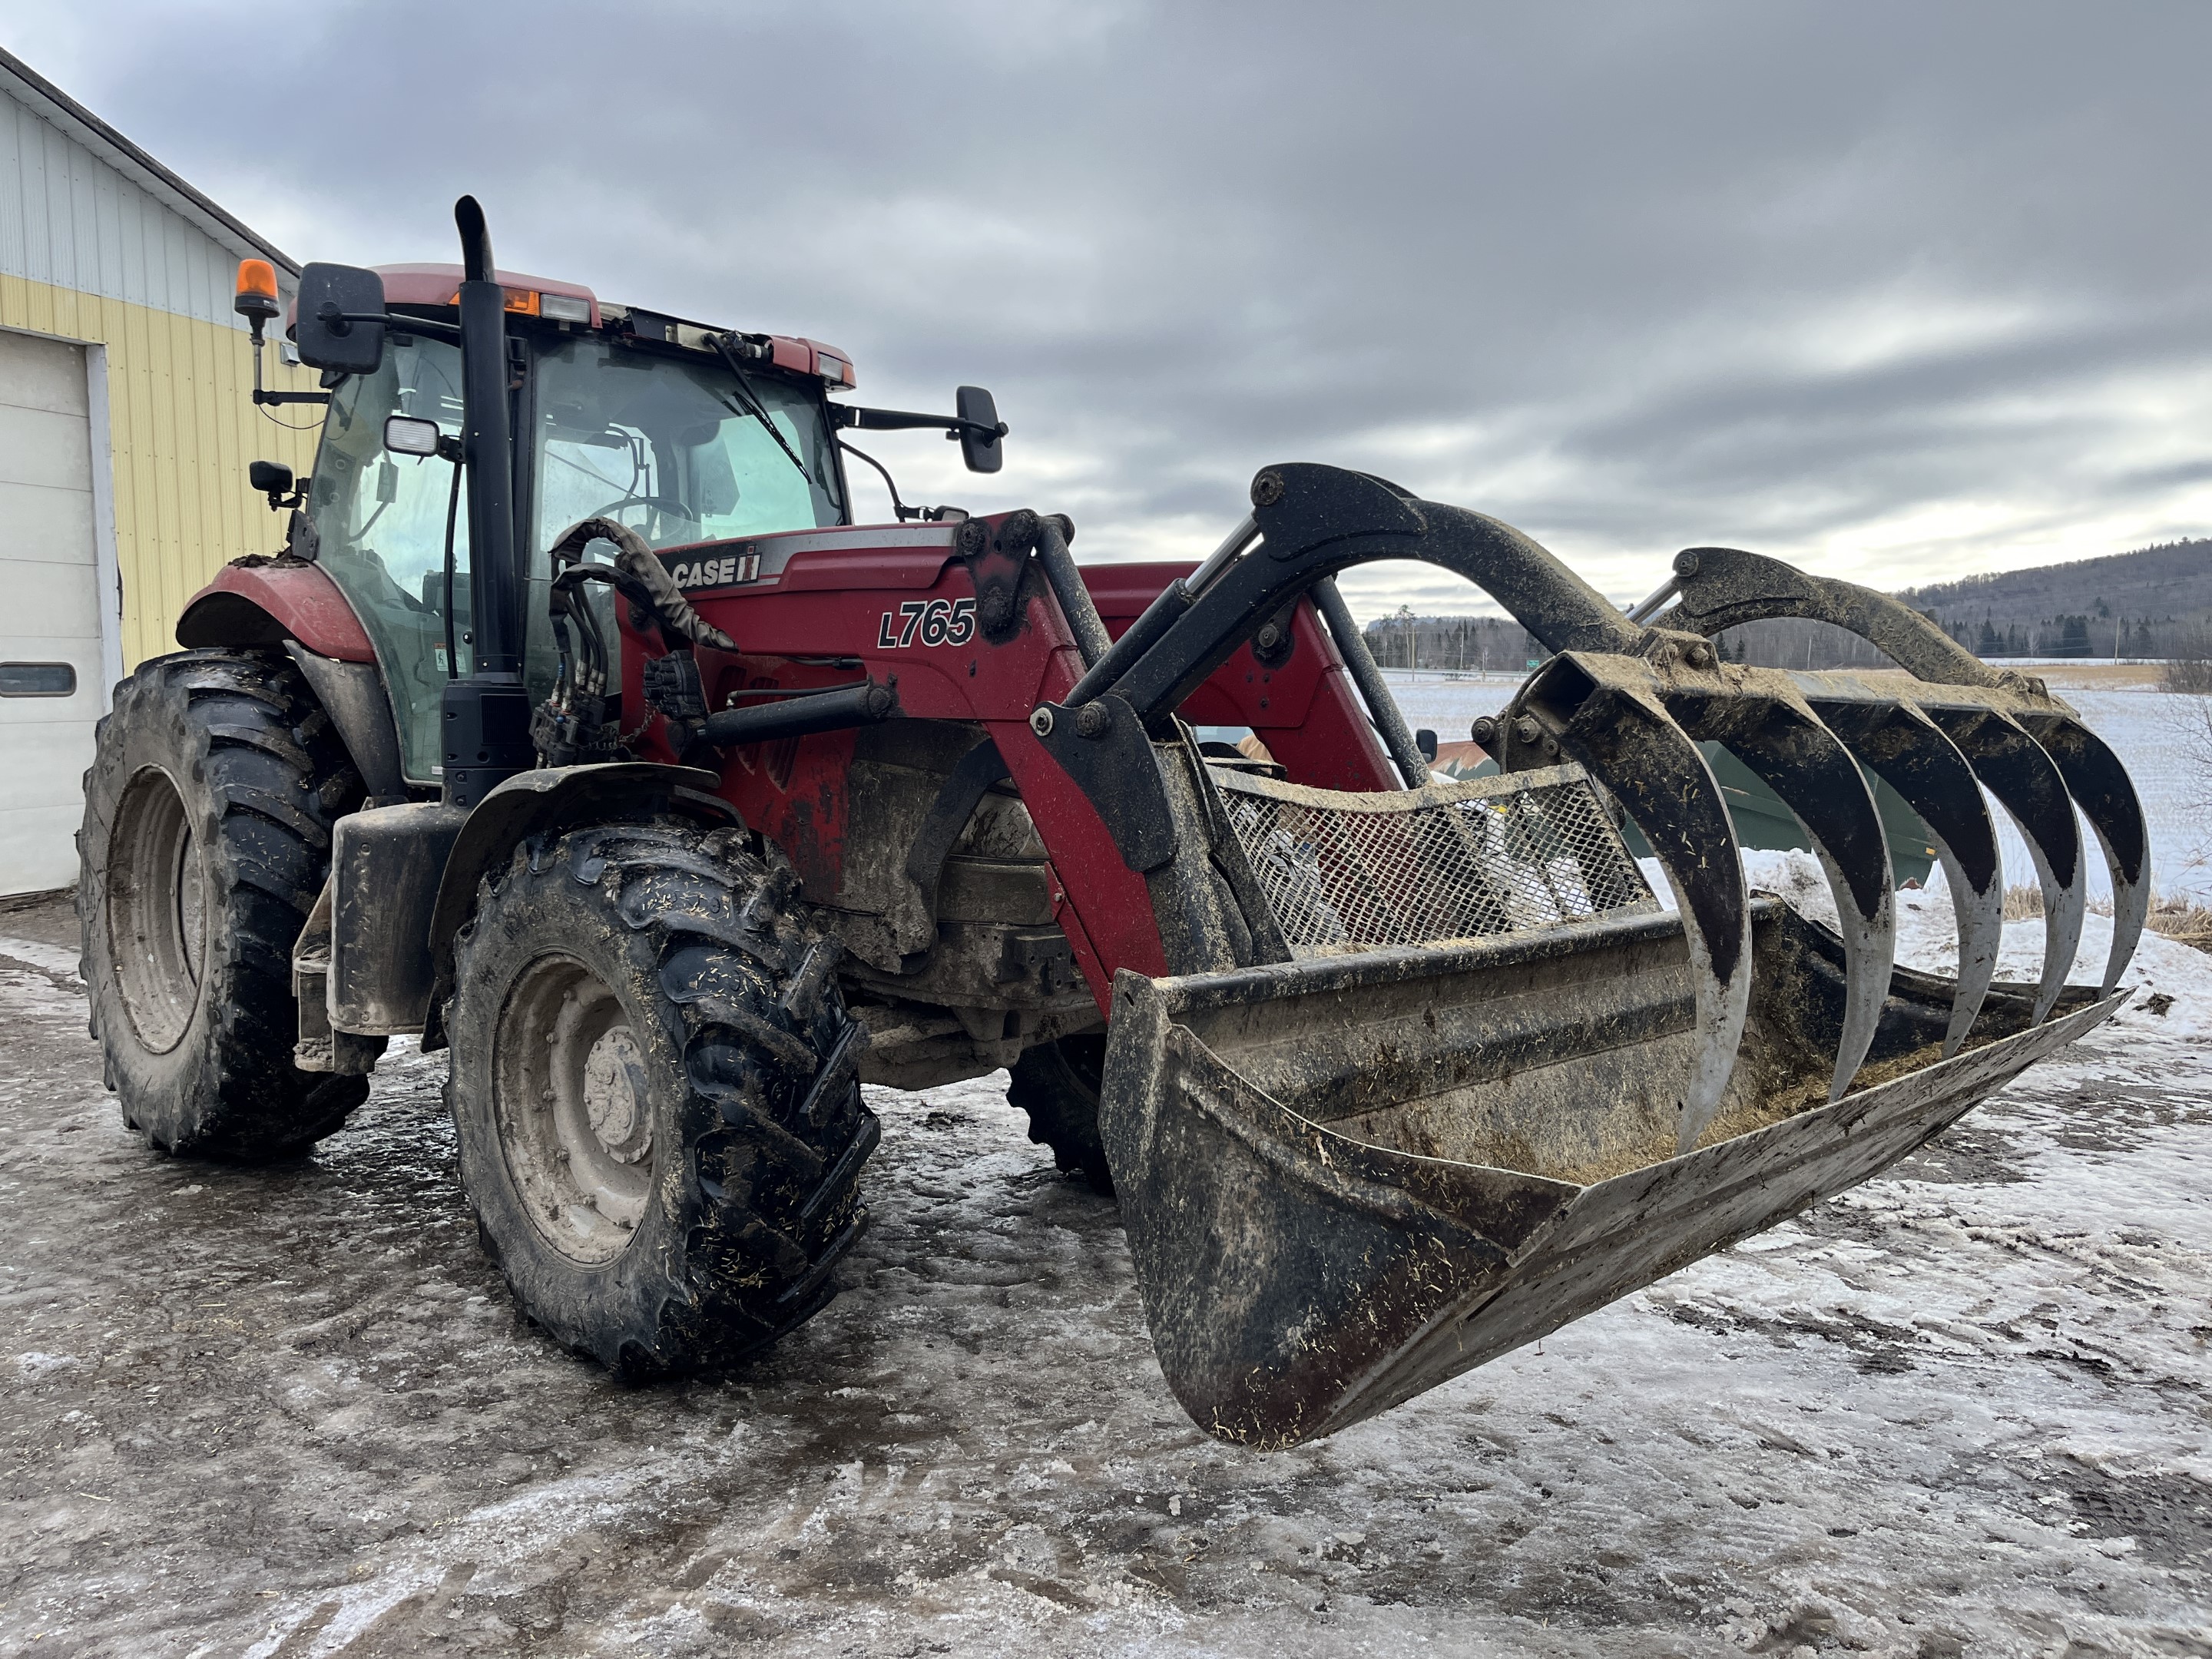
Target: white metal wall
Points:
(69, 218)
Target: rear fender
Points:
(286, 601)
(263, 601)
(552, 801)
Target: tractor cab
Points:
(619, 414)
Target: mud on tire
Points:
(206, 840)
(1057, 1084)
(655, 1086)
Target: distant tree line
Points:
(2163, 612)
(1468, 644)
(1496, 645)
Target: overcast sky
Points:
(1896, 292)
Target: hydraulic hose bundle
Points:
(571, 724)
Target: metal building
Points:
(125, 426)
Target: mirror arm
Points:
(265, 398)
(401, 325)
(899, 420)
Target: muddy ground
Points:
(289, 1412)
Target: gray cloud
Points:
(1901, 291)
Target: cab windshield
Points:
(667, 446)
(664, 443)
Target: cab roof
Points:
(436, 287)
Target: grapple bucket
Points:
(1475, 1082)
(1348, 1180)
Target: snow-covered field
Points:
(2163, 739)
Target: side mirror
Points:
(1425, 741)
(274, 479)
(411, 435)
(979, 449)
(340, 326)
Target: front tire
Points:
(206, 842)
(1057, 1084)
(655, 1086)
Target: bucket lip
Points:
(1397, 964)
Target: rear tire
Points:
(657, 1160)
(206, 842)
(1057, 1084)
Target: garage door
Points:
(50, 690)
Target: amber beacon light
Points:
(257, 290)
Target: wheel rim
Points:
(157, 920)
(573, 1109)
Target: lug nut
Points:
(1041, 721)
(1525, 730)
(1093, 719)
(1484, 731)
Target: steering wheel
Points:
(659, 503)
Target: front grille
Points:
(1354, 872)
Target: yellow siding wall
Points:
(183, 427)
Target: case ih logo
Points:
(715, 573)
(934, 622)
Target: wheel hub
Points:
(614, 1096)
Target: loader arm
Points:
(900, 607)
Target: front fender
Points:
(551, 801)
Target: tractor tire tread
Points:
(231, 727)
(744, 1230)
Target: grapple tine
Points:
(1631, 745)
(1803, 762)
(1911, 753)
(2101, 788)
(2026, 779)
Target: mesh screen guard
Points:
(1356, 870)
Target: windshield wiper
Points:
(754, 406)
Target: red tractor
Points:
(578, 728)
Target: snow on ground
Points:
(1960, 1411)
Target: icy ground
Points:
(288, 1412)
